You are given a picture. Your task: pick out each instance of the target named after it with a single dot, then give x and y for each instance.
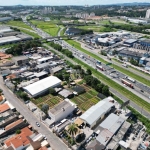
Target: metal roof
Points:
(42, 85)
(9, 39)
(96, 111)
(112, 123)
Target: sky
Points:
(65, 2)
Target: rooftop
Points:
(65, 93)
(9, 39)
(12, 125)
(4, 107)
(16, 58)
(42, 85)
(59, 107)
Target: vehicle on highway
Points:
(127, 83)
(100, 67)
(37, 124)
(45, 138)
(125, 65)
(130, 79)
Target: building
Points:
(73, 31)
(108, 128)
(2, 19)
(66, 93)
(9, 40)
(4, 107)
(42, 86)
(20, 60)
(130, 42)
(97, 112)
(19, 141)
(61, 111)
(147, 14)
(144, 42)
(147, 66)
(137, 21)
(24, 37)
(44, 60)
(95, 145)
(78, 89)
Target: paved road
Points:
(122, 97)
(54, 141)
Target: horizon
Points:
(67, 2)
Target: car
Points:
(45, 138)
(34, 109)
(37, 124)
(26, 102)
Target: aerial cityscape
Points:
(74, 75)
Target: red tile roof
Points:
(19, 139)
(4, 107)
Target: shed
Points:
(78, 89)
(65, 93)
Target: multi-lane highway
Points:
(54, 141)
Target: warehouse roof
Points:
(9, 39)
(44, 65)
(24, 37)
(42, 85)
(130, 41)
(44, 59)
(96, 111)
(112, 123)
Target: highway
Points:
(122, 97)
(54, 141)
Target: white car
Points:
(44, 137)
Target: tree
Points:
(88, 72)
(45, 108)
(120, 57)
(18, 131)
(105, 90)
(88, 79)
(66, 77)
(99, 87)
(72, 130)
(52, 91)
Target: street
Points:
(54, 141)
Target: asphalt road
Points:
(54, 141)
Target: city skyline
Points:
(65, 2)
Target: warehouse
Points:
(24, 37)
(42, 86)
(97, 112)
(108, 128)
(130, 42)
(9, 40)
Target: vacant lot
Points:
(48, 27)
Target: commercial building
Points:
(20, 60)
(130, 42)
(61, 111)
(147, 66)
(97, 112)
(137, 21)
(147, 14)
(108, 128)
(42, 86)
(144, 42)
(73, 31)
(9, 40)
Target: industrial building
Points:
(73, 31)
(20, 60)
(130, 42)
(97, 112)
(42, 86)
(61, 110)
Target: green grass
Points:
(34, 35)
(19, 24)
(139, 101)
(128, 73)
(49, 27)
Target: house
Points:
(66, 93)
(19, 141)
(4, 107)
(42, 86)
(95, 145)
(20, 60)
(61, 110)
(97, 112)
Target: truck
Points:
(127, 83)
(100, 67)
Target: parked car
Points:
(34, 109)
(37, 124)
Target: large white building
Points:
(61, 110)
(42, 86)
(147, 14)
(97, 112)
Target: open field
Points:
(128, 73)
(34, 35)
(139, 101)
(19, 24)
(87, 99)
(48, 27)
(48, 99)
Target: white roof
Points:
(5, 30)
(96, 111)
(124, 144)
(44, 59)
(42, 85)
(10, 105)
(9, 39)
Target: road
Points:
(54, 141)
(123, 98)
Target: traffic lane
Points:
(52, 139)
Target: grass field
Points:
(30, 33)
(128, 73)
(19, 24)
(139, 101)
(48, 27)
(87, 99)
(48, 99)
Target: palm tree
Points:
(72, 129)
